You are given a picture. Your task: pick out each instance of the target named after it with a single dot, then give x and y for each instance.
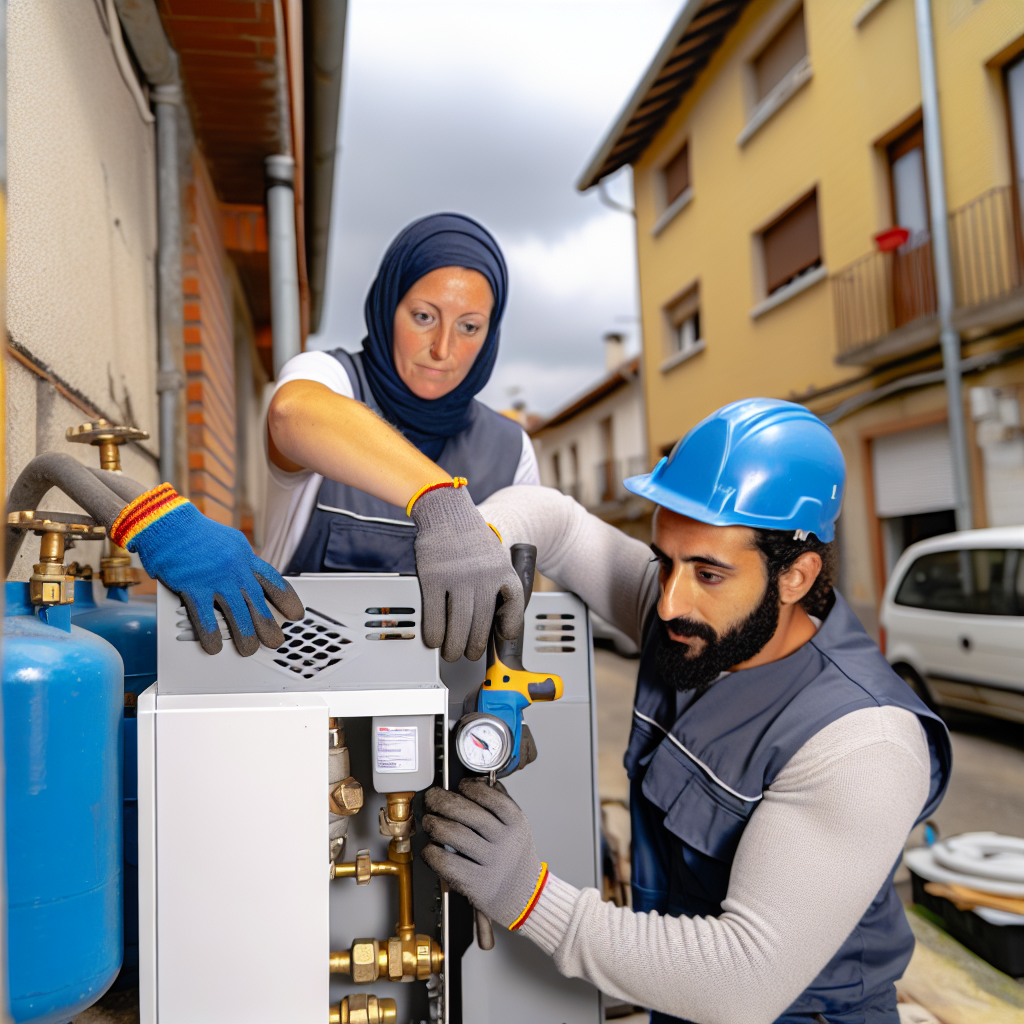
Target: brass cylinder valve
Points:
(51, 582)
(364, 1008)
(108, 437)
(116, 566)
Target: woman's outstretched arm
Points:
(311, 427)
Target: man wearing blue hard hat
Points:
(777, 764)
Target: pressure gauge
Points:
(483, 743)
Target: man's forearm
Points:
(812, 859)
(611, 572)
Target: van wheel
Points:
(917, 684)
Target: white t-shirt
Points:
(291, 497)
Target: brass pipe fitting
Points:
(395, 960)
(355, 869)
(346, 797)
(406, 956)
(364, 1008)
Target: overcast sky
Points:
(493, 108)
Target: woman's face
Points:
(440, 326)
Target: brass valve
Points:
(368, 960)
(52, 583)
(108, 437)
(116, 565)
(364, 1008)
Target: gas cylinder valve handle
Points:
(50, 582)
(116, 565)
(108, 437)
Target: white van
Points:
(952, 620)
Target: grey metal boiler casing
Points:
(238, 914)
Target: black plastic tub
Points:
(1002, 945)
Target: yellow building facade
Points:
(775, 145)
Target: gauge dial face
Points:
(484, 745)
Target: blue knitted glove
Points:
(206, 563)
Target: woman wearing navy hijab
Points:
(378, 457)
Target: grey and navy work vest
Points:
(698, 769)
(351, 531)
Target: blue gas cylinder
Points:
(130, 626)
(62, 697)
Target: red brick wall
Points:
(209, 351)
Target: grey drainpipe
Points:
(141, 24)
(284, 264)
(949, 339)
(326, 35)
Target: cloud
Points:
(492, 108)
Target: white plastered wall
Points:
(81, 239)
(625, 408)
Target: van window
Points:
(985, 581)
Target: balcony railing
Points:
(881, 292)
(985, 242)
(891, 295)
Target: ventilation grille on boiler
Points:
(554, 631)
(311, 644)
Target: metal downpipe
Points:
(140, 21)
(169, 378)
(949, 339)
(284, 265)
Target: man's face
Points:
(718, 607)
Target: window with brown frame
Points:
(792, 244)
(677, 175)
(683, 317)
(787, 48)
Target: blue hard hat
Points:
(759, 462)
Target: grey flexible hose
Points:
(123, 486)
(78, 482)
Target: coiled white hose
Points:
(978, 860)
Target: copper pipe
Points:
(402, 862)
(347, 868)
(341, 962)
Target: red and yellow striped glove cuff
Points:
(144, 511)
(537, 890)
(459, 481)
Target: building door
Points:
(913, 481)
(913, 280)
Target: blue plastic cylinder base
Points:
(130, 626)
(62, 698)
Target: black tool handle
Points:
(524, 561)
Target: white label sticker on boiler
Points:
(397, 748)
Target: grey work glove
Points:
(462, 568)
(495, 864)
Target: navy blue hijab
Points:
(441, 240)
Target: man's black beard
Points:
(738, 645)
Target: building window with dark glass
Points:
(792, 245)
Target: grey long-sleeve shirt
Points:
(812, 858)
